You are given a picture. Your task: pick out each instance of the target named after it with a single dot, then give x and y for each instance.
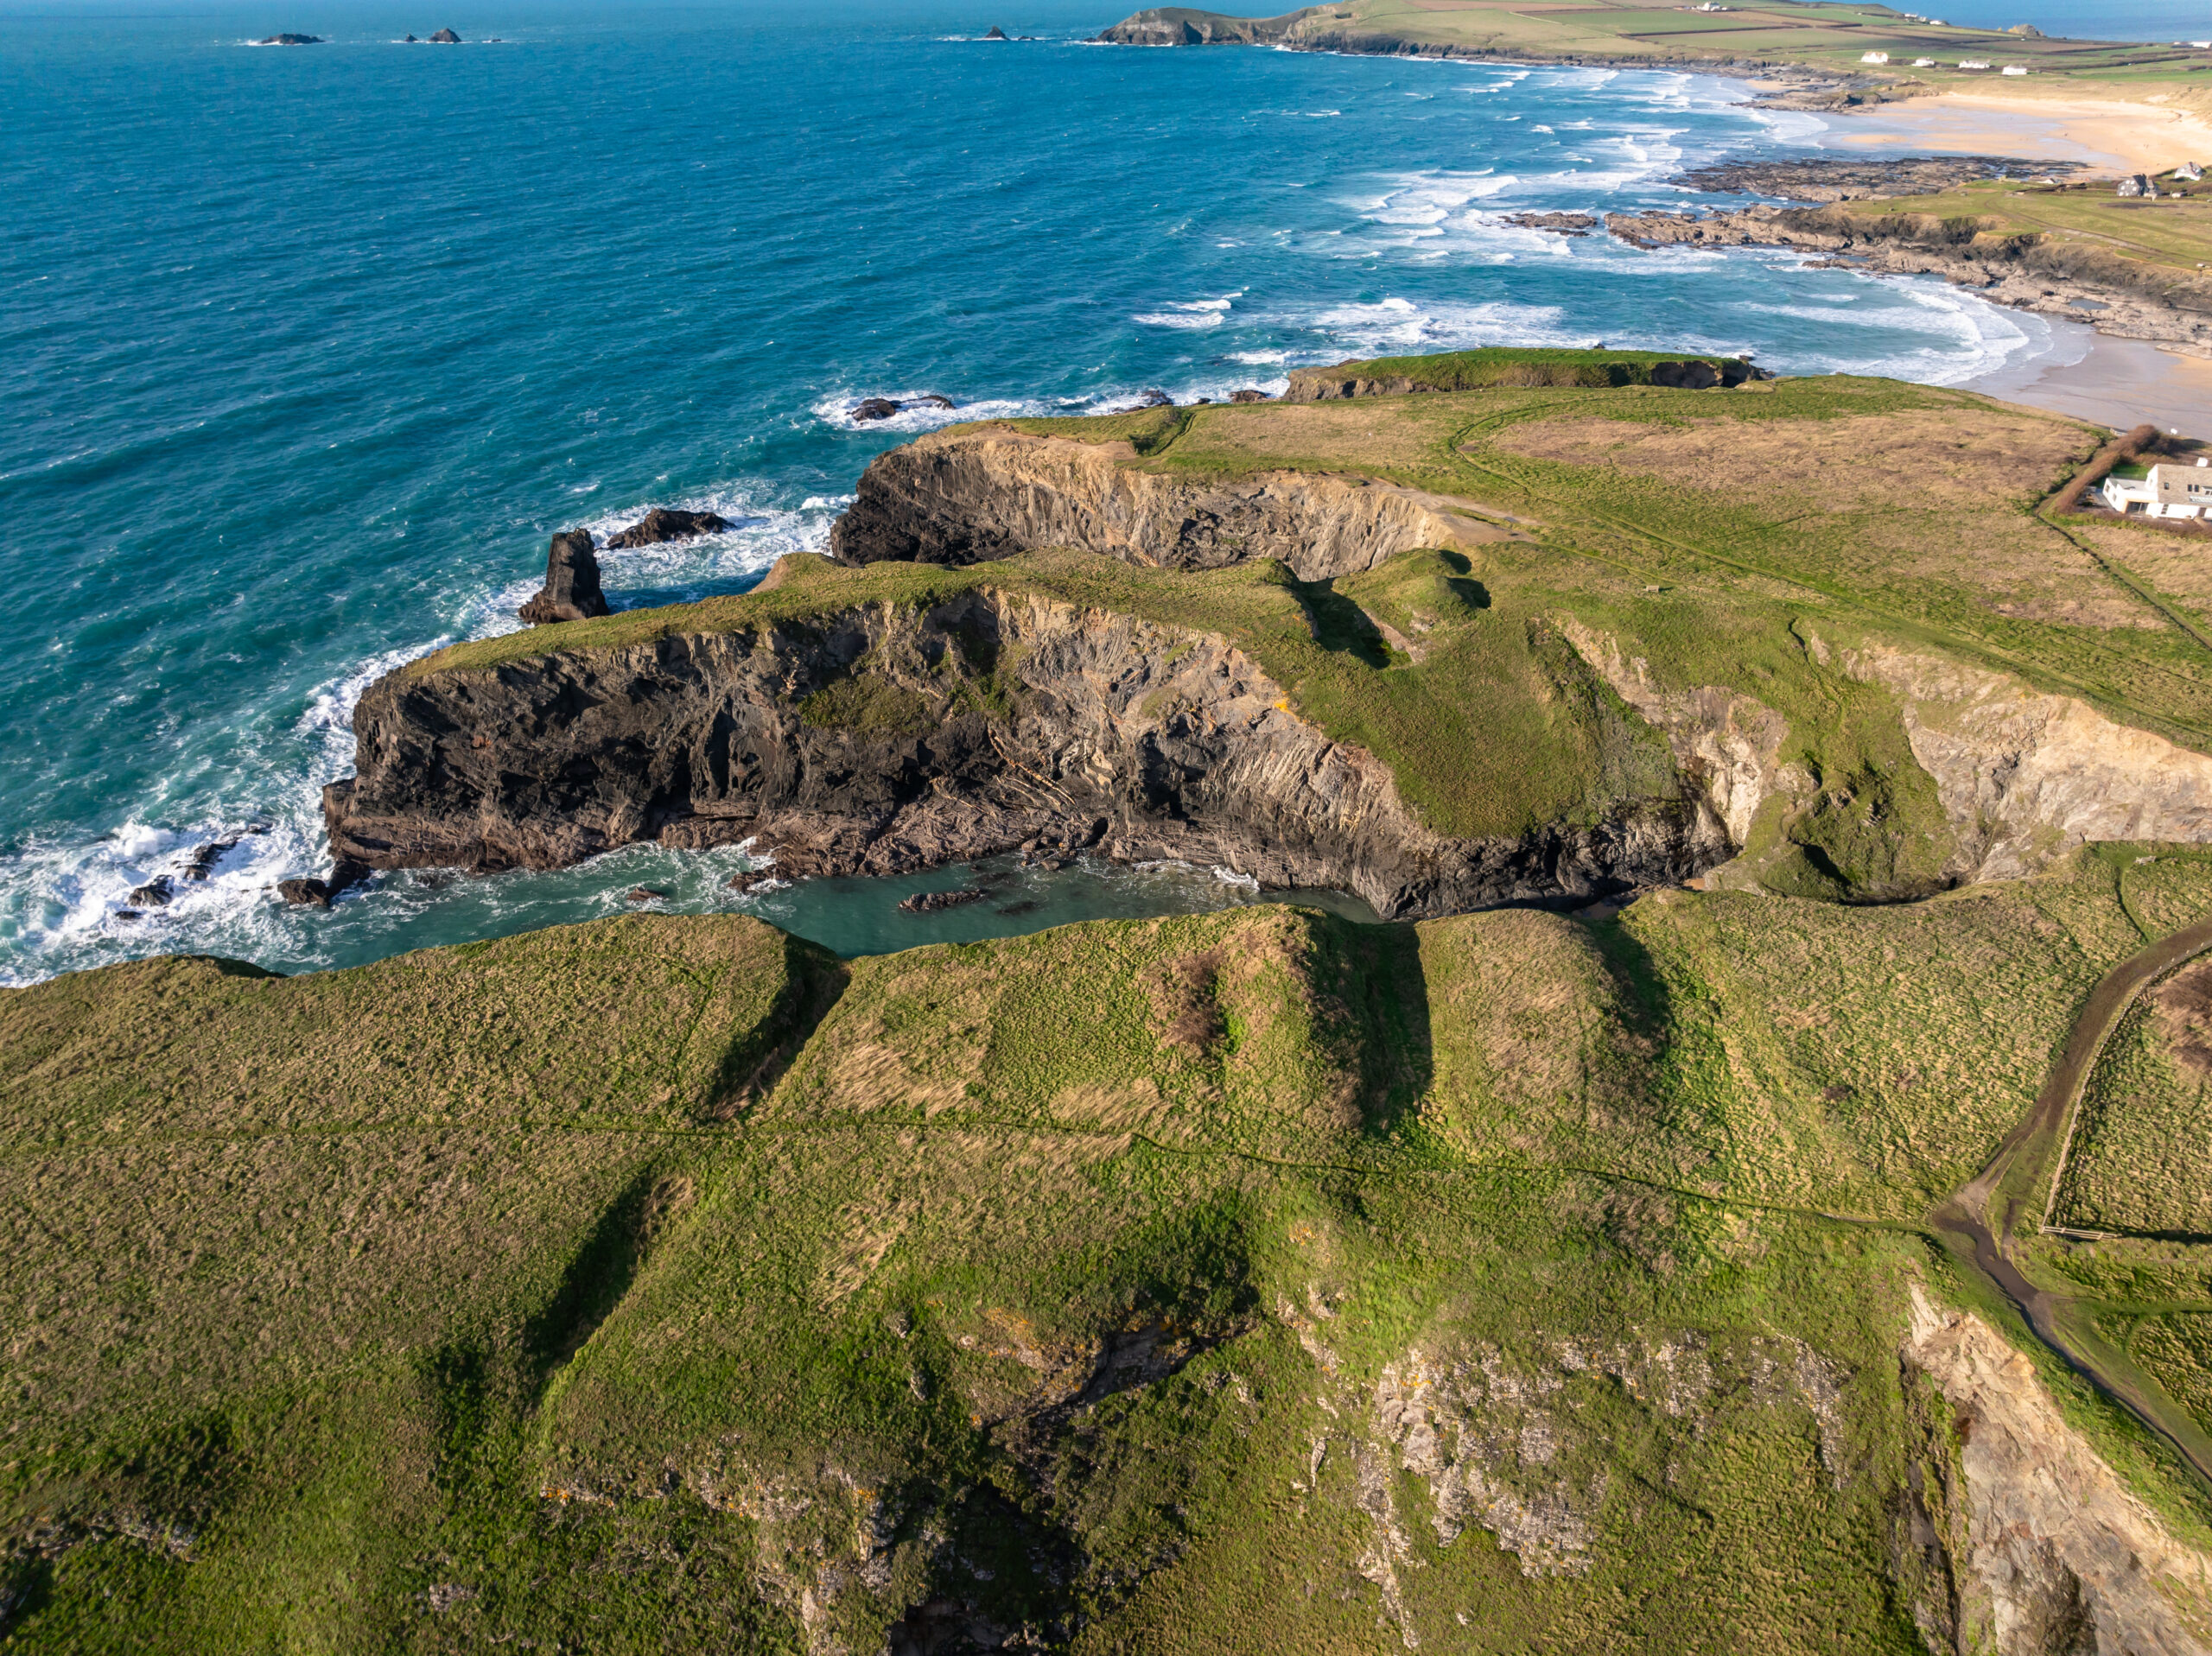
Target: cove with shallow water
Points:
(308, 352)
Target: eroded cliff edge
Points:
(970, 496)
(2017, 1537)
(882, 738)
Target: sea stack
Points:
(571, 589)
(445, 37)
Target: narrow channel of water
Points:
(415, 909)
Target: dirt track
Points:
(1980, 1220)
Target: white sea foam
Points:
(63, 902)
(836, 410)
(1398, 325)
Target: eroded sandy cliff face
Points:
(2024, 776)
(2021, 1540)
(961, 498)
(877, 739)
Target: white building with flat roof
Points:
(2166, 492)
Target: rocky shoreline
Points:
(2083, 283)
(884, 740)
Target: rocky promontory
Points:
(2126, 297)
(882, 739)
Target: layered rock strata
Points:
(880, 741)
(970, 497)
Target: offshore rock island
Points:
(1802, 1248)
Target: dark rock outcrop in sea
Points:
(291, 40)
(445, 37)
(882, 408)
(857, 742)
(997, 33)
(1251, 394)
(1564, 224)
(345, 873)
(932, 902)
(155, 893)
(571, 590)
(667, 524)
(1857, 178)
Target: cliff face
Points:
(2018, 1538)
(2022, 777)
(2137, 300)
(877, 740)
(968, 497)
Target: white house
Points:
(1924, 63)
(1972, 63)
(2013, 69)
(2168, 492)
(2189, 170)
(1874, 57)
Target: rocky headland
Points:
(2125, 297)
(881, 739)
(845, 719)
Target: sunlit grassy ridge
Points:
(1749, 539)
(1024, 1278)
(1835, 37)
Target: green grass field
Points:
(1106, 1283)
(1834, 37)
(1251, 1281)
(2171, 236)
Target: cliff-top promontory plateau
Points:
(1747, 1190)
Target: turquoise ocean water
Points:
(304, 353)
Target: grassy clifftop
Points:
(1754, 541)
(1812, 34)
(1227, 1283)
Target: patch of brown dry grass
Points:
(1935, 460)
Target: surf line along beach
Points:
(2039, 225)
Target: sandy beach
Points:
(2116, 382)
(2119, 137)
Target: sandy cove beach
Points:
(2116, 136)
(2116, 382)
